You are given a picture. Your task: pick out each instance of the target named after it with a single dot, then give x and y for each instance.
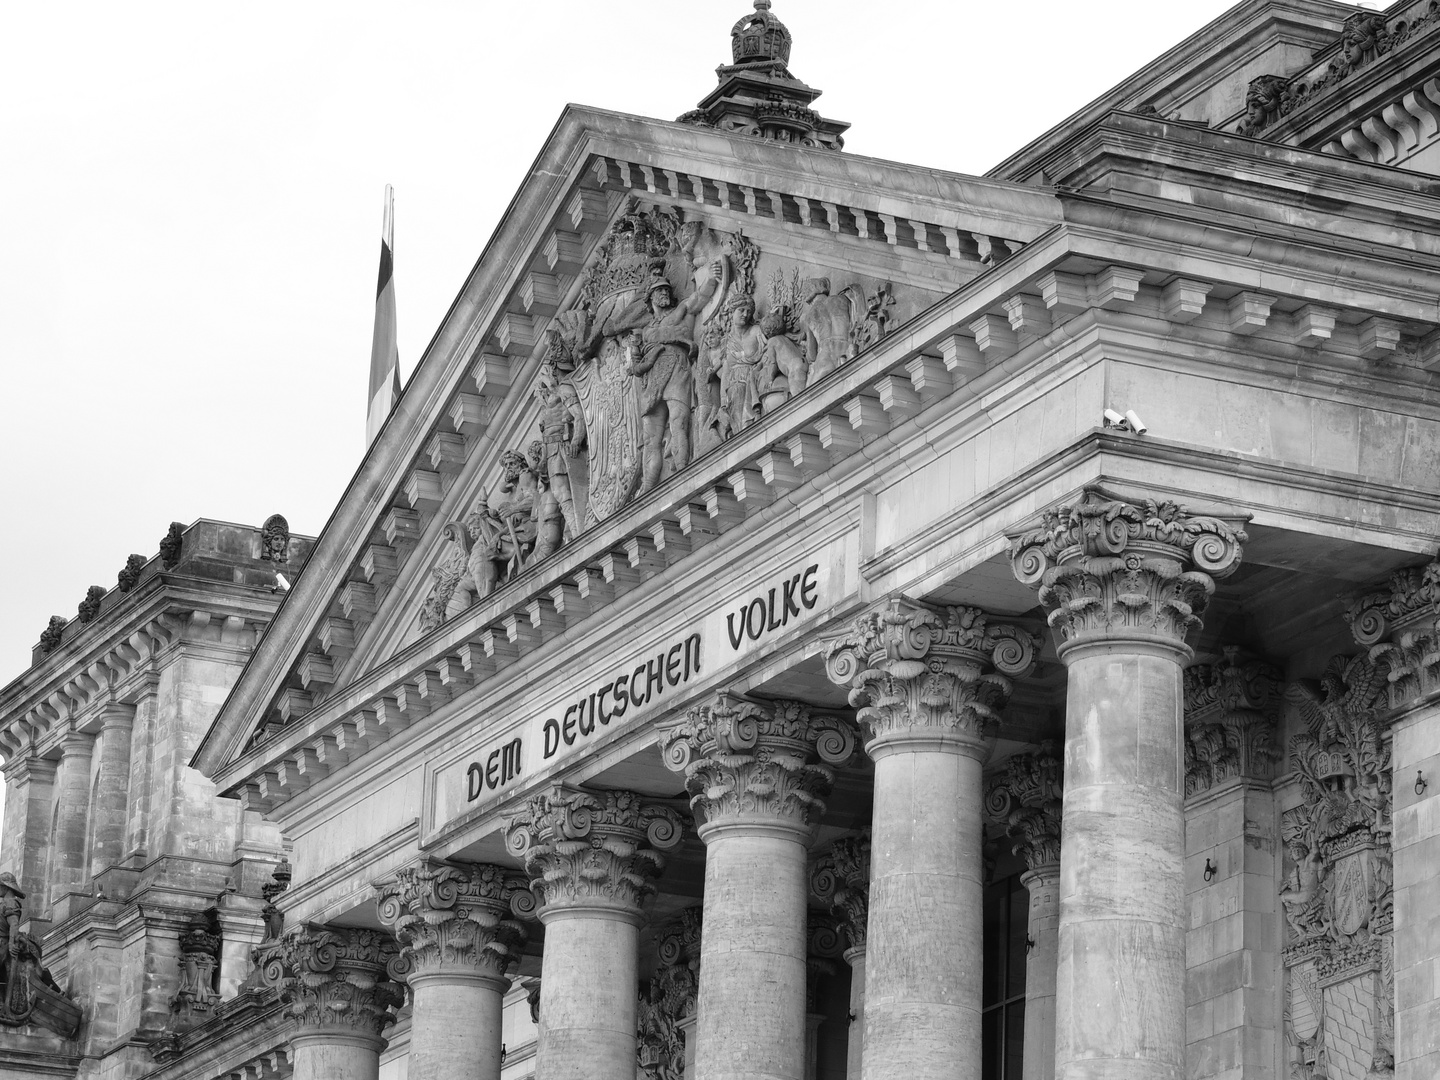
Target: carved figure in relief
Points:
(712, 422)
(742, 377)
(825, 322)
(562, 437)
(661, 362)
(28, 993)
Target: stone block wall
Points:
(1232, 946)
(1416, 842)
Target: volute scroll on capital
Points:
(912, 667)
(1024, 796)
(1107, 568)
(1231, 718)
(840, 878)
(451, 918)
(334, 977)
(582, 849)
(1400, 625)
(746, 761)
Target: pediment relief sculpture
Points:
(671, 348)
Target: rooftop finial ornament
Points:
(760, 37)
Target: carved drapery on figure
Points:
(1398, 624)
(601, 849)
(451, 918)
(1024, 797)
(911, 667)
(670, 998)
(28, 992)
(1231, 711)
(1110, 568)
(840, 879)
(748, 761)
(1338, 896)
(336, 978)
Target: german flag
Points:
(384, 351)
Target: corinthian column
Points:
(1123, 584)
(459, 941)
(928, 684)
(841, 878)
(1024, 796)
(336, 984)
(757, 777)
(590, 858)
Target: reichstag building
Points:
(812, 617)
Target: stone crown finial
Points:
(760, 37)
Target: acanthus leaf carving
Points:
(840, 878)
(746, 761)
(333, 977)
(1231, 713)
(456, 918)
(671, 997)
(1024, 797)
(1400, 625)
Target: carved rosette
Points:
(585, 851)
(913, 669)
(752, 764)
(840, 878)
(336, 980)
(456, 920)
(1024, 797)
(1108, 569)
(1231, 713)
(1400, 625)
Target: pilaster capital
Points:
(1109, 570)
(920, 672)
(336, 981)
(1024, 796)
(755, 766)
(1400, 624)
(592, 851)
(840, 879)
(455, 920)
(1231, 713)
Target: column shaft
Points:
(855, 1044)
(923, 954)
(455, 1027)
(752, 957)
(335, 1057)
(112, 788)
(589, 973)
(1120, 1009)
(69, 861)
(1043, 927)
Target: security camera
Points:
(281, 585)
(1114, 419)
(1136, 425)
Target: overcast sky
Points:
(192, 199)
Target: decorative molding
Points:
(1400, 625)
(1231, 716)
(1024, 796)
(751, 764)
(840, 878)
(1107, 568)
(336, 979)
(1338, 897)
(452, 919)
(591, 850)
(913, 669)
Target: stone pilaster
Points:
(591, 859)
(341, 987)
(112, 786)
(1122, 584)
(1024, 797)
(758, 776)
(840, 878)
(928, 684)
(459, 940)
(29, 791)
(69, 859)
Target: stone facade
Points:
(828, 619)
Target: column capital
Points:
(453, 920)
(840, 879)
(1024, 796)
(336, 982)
(587, 851)
(1231, 714)
(918, 672)
(1140, 572)
(752, 766)
(1400, 624)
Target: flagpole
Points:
(384, 348)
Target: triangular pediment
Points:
(557, 395)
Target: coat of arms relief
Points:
(1338, 899)
(682, 336)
